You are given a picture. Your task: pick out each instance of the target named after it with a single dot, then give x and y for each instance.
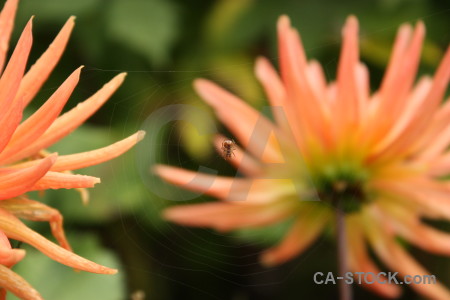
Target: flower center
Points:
(343, 183)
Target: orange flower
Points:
(379, 154)
(24, 166)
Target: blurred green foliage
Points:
(164, 45)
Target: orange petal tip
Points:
(283, 22)
(121, 77)
(261, 67)
(351, 25)
(161, 170)
(140, 135)
(420, 26)
(109, 271)
(200, 83)
(173, 214)
(352, 20)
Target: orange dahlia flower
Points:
(24, 166)
(380, 154)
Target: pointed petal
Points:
(10, 122)
(397, 259)
(37, 124)
(21, 181)
(303, 233)
(389, 84)
(424, 112)
(402, 40)
(98, 156)
(69, 121)
(273, 86)
(238, 190)
(438, 123)
(39, 72)
(15, 229)
(216, 186)
(440, 85)
(405, 121)
(17, 285)
(408, 225)
(228, 216)
(404, 77)
(347, 107)
(56, 180)
(6, 26)
(10, 80)
(360, 260)
(431, 198)
(312, 114)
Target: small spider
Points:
(227, 149)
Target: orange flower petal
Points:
(11, 111)
(425, 110)
(10, 80)
(56, 180)
(39, 72)
(361, 262)
(405, 75)
(35, 126)
(227, 216)
(8, 256)
(15, 229)
(98, 156)
(302, 234)
(437, 124)
(401, 43)
(69, 121)
(9, 123)
(312, 114)
(432, 198)
(239, 191)
(36, 211)
(197, 182)
(408, 225)
(6, 26)
(274, 88)
(440, 166)
(396, 258)
(21, 181)
(17, 285)
(379, 126)
(347, 108)
(389, 143)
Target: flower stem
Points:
(345, 290)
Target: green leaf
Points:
(147, 26)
